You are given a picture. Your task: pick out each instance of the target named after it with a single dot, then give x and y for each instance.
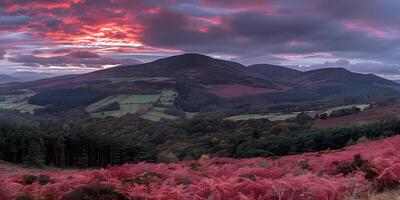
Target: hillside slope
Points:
(323, 83)
(205, 83)
(4, 78)
(317, 176)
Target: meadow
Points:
(19, 102)
(269, 116)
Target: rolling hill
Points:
(4, 78)
(205, 83)
(274, 72)
(322, 83)
(23, 76)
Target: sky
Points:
(78, 36)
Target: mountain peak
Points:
(185, 59)
(331, 69)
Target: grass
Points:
(369, 194)
(190, 115)
(361, 106)
(168, 97)
(388, 195)
(23, 106)
(129, 104)
(140, 99)
(270, 116)
(125, 109)
(133, 103)
(19, 102)
(162, 115)
(151, 117)
(159, 109)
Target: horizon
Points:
(68, 37)
(298, 69)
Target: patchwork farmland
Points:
(143, 105)
(18, 102)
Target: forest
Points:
(114, 141)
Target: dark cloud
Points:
(385, 70)
(2, 54)
(83, 54)
(75, 59)
(302, 32)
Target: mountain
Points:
(194, 70)
(196, 67)
(273, 72)
(4, 78)
(202, 83)
(320, 83)
(23, 77)
(30, 76)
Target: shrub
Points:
(95, 192)
(28, 179)
(357, 164)
(304, 164)
(145, 179)
(44, 179)
(24, 196)
(167, 157)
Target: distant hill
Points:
(205, 83)
(320, 83)
(274, 72)
(23, 76)
(396, 81)
(30, 76)
(4, 78)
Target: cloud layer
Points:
(93, 34)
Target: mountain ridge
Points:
(203, 81)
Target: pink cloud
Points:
(366, 28)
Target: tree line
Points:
(114, 141)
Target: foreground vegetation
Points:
(357, 172)
(105, 141)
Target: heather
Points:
(324, 175)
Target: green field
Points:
(159, 109)
(19, 102)
(190, 115)
(140, 99)
(130, 104)
(361, 106)
(151, 117)
(168, 97)
(157, 116)
(270, 116)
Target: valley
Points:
(191, 83)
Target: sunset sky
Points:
(76, 36)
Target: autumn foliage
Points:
(320, 176)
